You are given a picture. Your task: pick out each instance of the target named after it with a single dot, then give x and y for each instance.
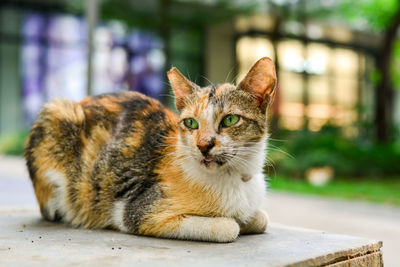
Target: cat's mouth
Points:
(209, 162)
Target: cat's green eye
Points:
(230, 120)
(191, 123)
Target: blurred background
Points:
(335, 120)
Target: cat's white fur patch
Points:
(59, 200)
(239, 200)
(206, 229)
(117, 217)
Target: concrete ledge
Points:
(27, 240)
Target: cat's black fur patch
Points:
(139, 184)
(37, 135)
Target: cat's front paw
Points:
(212, 229)
(224, 230)
(257, 224)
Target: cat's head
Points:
(222, 126)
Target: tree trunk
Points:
(275, 109)
(165, 33)
(384, 94)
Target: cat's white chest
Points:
(240, 192)
(240, 199)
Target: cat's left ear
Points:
(181, 86)
(260, 82)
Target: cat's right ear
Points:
(181, 86)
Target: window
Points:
(54, 60)
(318, 84)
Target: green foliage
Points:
(376, 14)
(395, 68)
(152, 14)
(375, 76)
(371, 189)
(348, 157)
(13, 143)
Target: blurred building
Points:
(43, 55)
(324, 70)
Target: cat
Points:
(124, 161)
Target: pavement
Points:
(26, 240)
(367, 220)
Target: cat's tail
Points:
(52, 151)
(58, 121)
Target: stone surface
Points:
(282, 245)
(364, 219)
(27, 240)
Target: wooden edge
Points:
(371, 253)
(373, 259)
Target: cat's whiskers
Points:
(247, 154)
(275, 148)
(186, 166)
(229, 73)
(174, 156)
(202, 76)
(247, 163)
(270, 163)
(168, 95)
(233, 81)
(246, 149)
(239, 165)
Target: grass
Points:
(385, 190)
(13, 143)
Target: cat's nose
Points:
(206, 146)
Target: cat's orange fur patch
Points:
(98, 137)
(202, 103)
(134, 140)
(182, 197)
(65, 110)
(111, 104)
(43, 191)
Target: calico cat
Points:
(124, 161)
